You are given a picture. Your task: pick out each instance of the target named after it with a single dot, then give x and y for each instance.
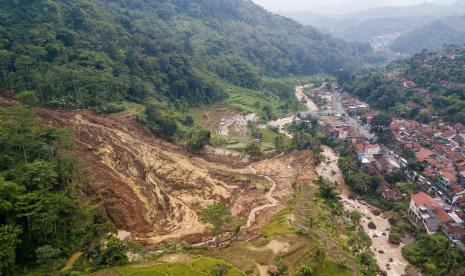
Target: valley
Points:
(219, 138)
(153, 190)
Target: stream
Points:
(269, 196)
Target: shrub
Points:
(355, 216)
(217, 215)
(394, 238)
(49, 258)
(253, 149)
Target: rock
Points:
(392, 221)
(391, 260)
(381, 252)
(371, 225)
(376, 212)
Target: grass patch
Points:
(279, 224)
(262, 186)
(329, 267)
(200, 266)
(268, 139)
(274, 93)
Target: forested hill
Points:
(81, 53)
(432, 36)
(430, 83)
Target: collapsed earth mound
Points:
(148, 186)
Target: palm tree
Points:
(348, 165)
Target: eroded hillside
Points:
(152, 189)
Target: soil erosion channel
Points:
(269, 196)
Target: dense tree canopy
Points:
(84, 53)
(41, 220)
(428, 83)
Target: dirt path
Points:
(71, 261)
(300, 95)
(280, 124)
(383, 250)
(273, 202)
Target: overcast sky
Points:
(295, 5)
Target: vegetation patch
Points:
(279, 224)
(200, 266)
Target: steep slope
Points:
(81, 53)
(148, 186)
(155, 191)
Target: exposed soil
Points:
(299, 93)
(151, 189)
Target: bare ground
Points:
(152, 189)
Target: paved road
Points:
(336, 104)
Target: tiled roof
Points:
(423, 154)
(442, 215)
(424, 199)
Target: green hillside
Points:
(429, 83)
(82, 53)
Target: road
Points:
(336, 104)
(300, 95)
(388, 256)
(280, 123)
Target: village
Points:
(438, 148)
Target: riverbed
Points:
(388, 256)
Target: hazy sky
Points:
(293, 5)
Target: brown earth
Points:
(151, 188)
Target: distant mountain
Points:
(423, 9)
(432, 36)
(371, 28)
(349, 7)
(368, 24)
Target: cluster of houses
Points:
(376, 159)
(441, 148)
(432, 215)
(353, 104)
(322, 95)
